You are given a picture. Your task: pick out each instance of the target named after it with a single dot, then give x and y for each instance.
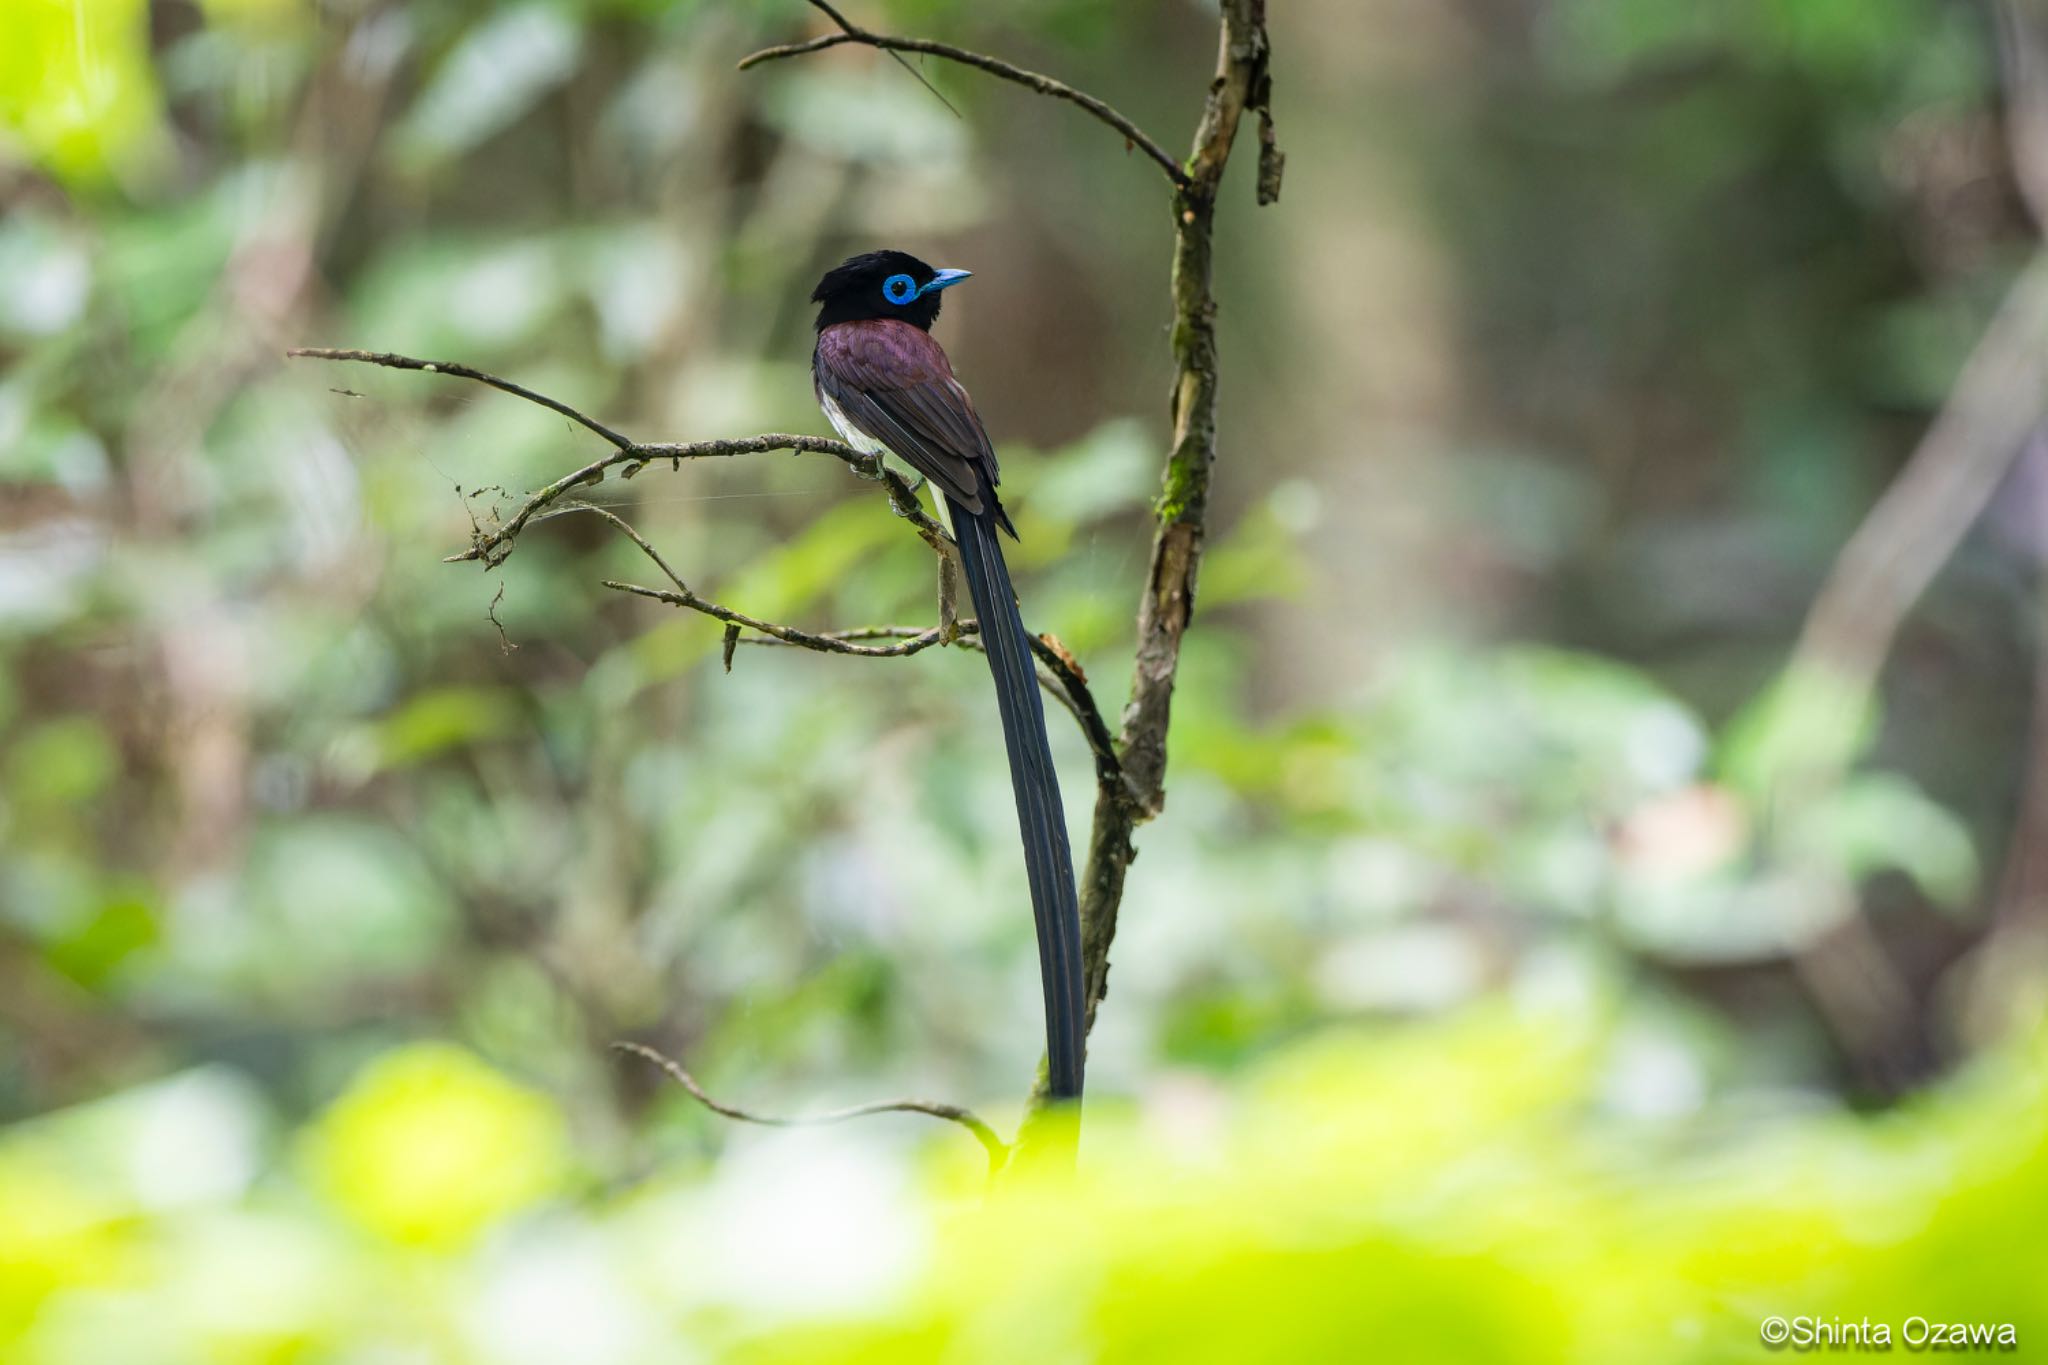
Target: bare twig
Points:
(486, 544)
(850, 32)
(909, 640)
(1062, 677)
(493, 544)
(406, 362)
(998, 1150)
(683, 596)
(897, 57)
(1066, 682)
(1079, 700)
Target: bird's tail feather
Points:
(1048, 862)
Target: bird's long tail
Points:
(1048, 862)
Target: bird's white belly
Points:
(848, 432)
(861, 441)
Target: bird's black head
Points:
(882, 284)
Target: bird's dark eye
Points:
(899, 289)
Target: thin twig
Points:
(1075, 694)
(1064, 683)
(897, 57)
(1045, 85)
(864, 633)
(683, 596)
(1072, 690)
(998, 1150)
(492, 545)
(1062, 677)
(909, 639)
(486, 544)
(406, 362)
(1068, 685)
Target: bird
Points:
(886, 386)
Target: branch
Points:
(909, 639)
(683, 596)
(1183, 506)
(1242, 84)
(491, 546)
(1062, 676)
(406, 362)
(1074, 694)
(1068, 685)
(998, 1150)
(849, 32)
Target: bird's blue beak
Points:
(945, 279)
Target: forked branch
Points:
(492, 544)
(850, 32)
(1063, 677)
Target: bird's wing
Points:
(892, 381)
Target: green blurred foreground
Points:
(1430, 1195)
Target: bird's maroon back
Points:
(893, 383)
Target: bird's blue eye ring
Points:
(899, 289)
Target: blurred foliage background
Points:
(1456, 1002)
